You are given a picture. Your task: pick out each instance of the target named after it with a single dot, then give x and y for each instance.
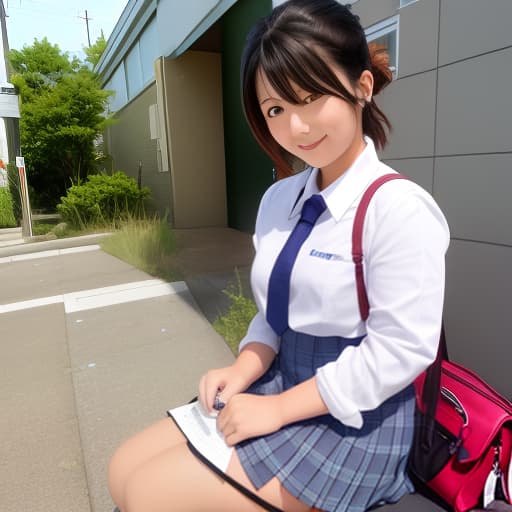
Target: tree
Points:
(62, 106)
(94, 52)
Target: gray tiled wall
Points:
(451, 111)
(474, 105)
(420, 170)
(409, 104)
(419, 26)
(477, 307)
(474, 193)
(473, 27)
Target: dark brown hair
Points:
(285, 47)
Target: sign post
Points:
(25, 201)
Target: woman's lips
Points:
(314, 145)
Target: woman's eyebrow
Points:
(270, 98)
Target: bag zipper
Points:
(501, 401)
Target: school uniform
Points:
(354, 457)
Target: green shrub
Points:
(103, 200)
(7, 219)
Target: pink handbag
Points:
(463, 428)
(463, 445)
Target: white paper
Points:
(509, 482)
(490, 488)
(201, 430)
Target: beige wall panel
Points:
(196, 139)
(129, 143)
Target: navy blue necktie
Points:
(278, 296)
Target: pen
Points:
(218, 404)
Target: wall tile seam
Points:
(441, 155)
(448, 64)
(481, 242)
(410, 75)
(476, 56)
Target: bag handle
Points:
(430, 393)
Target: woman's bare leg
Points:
(154, 471)
(175, 480)
(136, 451)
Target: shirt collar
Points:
(342, 193)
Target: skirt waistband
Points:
(301, 354)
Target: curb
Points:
(33, 246)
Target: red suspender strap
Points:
(357, 239)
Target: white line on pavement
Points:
(102, 297)
(47, 254)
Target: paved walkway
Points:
(92, 351)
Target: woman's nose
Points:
(298, 124)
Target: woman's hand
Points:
(226, 382)
(247, 415)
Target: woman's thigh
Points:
(177, 480)
(137, 450)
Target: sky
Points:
(61, 21)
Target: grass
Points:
(7, 219)
(233, 325)
(41, 228)
(147, 244)
(64, 230)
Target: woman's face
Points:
(324, 131)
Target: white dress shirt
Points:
(405, 239)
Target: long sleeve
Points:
(404, 272)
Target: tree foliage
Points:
(62, 106)
(94, 52)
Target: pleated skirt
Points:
(320, 461)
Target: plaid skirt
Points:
(321, 461)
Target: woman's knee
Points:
(117, 473)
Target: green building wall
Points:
(248, 169)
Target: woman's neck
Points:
(330, 173)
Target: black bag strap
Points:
(238, 486)
(231, 481)
(430, 393)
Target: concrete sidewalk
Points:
(77, 379)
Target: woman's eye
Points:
(274, 111)
(309, 99)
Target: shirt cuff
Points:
(339, 405)
(260, 331)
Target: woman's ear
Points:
(365, 86)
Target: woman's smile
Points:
(314, 145)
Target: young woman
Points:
(319, 404)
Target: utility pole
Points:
(87, 24)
